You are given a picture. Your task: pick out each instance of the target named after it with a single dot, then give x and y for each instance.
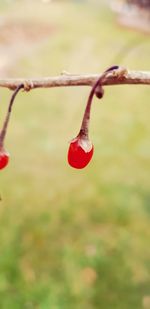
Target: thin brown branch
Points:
(65, 79)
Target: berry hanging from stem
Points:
(4, 155)
(81, 148)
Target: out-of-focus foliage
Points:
(140, 3)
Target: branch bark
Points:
(66, 79)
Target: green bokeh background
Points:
(75, 238)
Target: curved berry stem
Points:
(85, 122)
(5, 125)
(81, 149)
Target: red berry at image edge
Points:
(4, 155)
(80, 153)
(4, 159)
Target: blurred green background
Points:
(73, 238)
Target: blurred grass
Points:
(76, 239)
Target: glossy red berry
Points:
(4, 158)
(80, 152)
(81, 149)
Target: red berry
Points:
(80, 152)
(4, 158)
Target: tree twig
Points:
(66, 79)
